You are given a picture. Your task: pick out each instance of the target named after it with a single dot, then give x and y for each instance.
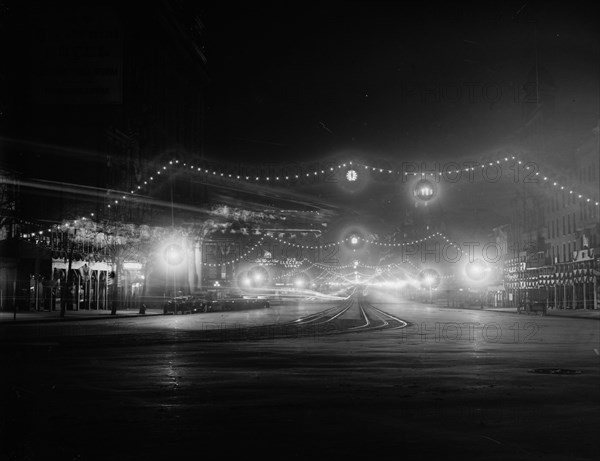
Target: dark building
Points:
(93, 96)
(554, 234)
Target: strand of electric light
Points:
(307, 247)
(54, 227)
(238, 258)
(401, 244)
(369, 241)
(557, 186)
(300, 211)
(355, 265)
(214, 172)
(325, 275)
(332, 266)
(295, 271)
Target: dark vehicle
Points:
(237, 304)
(185, 305)
(533, 307)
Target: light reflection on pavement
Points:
(452, 382)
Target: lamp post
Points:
(173, 256)
(430, 278)
(429, 282)
(478, 271)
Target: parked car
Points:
(185, 305)
(237, 304)
(533, 307)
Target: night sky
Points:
(386, 80)
(383, 81)
(319, 82)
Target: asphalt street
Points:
(357, 379)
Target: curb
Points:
(75, 318)
(548, 314)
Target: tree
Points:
(120, 242)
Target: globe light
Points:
(354, 240)
(424, 190)
(173, 254)
(258, 276)
(429, 278)
(477, 270)
(351, 175)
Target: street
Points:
(450, 383)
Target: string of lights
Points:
(294, 272)
(366, 240)
(238, 258)
(351, 168)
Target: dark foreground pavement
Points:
(453, 384)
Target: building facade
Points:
(92, 99)
(556, 258)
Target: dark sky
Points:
(386, 80)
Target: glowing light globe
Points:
(424, 190)
(477, 270)
(429, 278)
(173, 254)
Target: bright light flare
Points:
(477, 270)
(424, 190)
(173, 254)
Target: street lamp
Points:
(354, 240)
(424, 190)
(429, 281)
(257, 276)
(430, 278)
(477, 271)
(173, 255)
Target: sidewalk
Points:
(54, 316)
(570, 313)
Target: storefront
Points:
(87, 288)
(570, 285)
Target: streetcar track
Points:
(324, 323)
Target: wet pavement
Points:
(451, 383)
